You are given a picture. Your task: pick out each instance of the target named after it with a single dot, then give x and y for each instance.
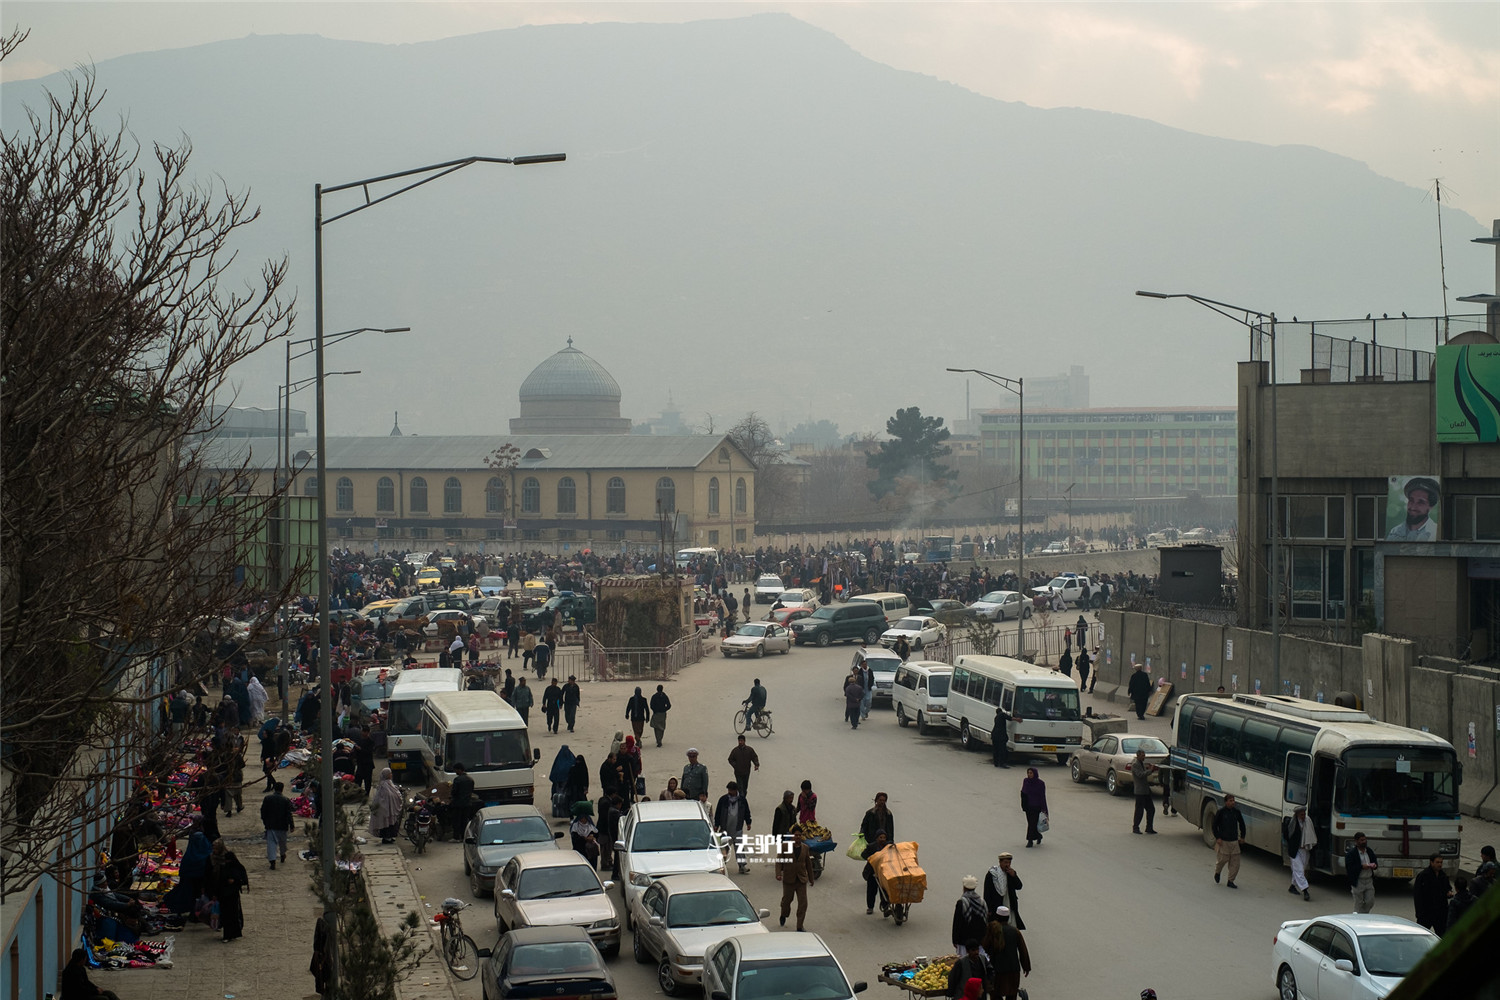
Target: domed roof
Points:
(570, 374)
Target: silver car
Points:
(665, 838)
(556, 888)
(757, 639)
(998, 605)
(680, 917)
(792, 964)
(498, 833)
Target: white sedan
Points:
(1352, 956)
(450, 615)
(919, 632)
(999, 605)
(757, 639)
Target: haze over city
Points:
(749, 198)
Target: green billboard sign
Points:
(1468, 393)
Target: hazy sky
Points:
(1411, 89)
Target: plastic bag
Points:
(857, 848)
(1042, 825)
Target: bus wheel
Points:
(1210, 812)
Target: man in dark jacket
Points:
(552, 700)
(1009, 958)
(969, 921)
(277, 819)
(971, 966)
(1229, 837)
(732, 817)
(660, 706)
(1461, 901)
(638, 710)
(1139, 689)
(570, 696)
(1359, 867)
(364, 759)
(461, 797)
(1000, 887)
(999, 751)
(1430, 891)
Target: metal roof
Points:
(464, 452)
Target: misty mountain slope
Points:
(752, 215)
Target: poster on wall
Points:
(1468, 393)
(1412, 506)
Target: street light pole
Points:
(1017, 386)
(424, 175)
(1265, 320)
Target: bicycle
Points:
(761, 723)
(458, 948)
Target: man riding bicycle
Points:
(755, 705)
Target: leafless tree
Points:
(117, 336)
(773, 485)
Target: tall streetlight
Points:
(424, 175)
(1017, 386)
(284, 456)
(285, 474)
(1263, 323)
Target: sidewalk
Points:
(393, 894)
(271, 960)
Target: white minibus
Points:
(1041, 706)
(403, 718)
(480, 730)
(894, 606)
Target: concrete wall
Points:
(1443, 697)
(1476, 693)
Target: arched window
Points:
(418, 495)
(385, 494)
(494, 496)
(343, 494)
(666, 495)
(614, 496)
(739, 496)
(713, 495)
(531, 496)
(567, 496)
(310, 486)
(453, 496)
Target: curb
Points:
(393, 894)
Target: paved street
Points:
(1108, 913)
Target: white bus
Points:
(685, 556)
(1040, 704)
(403, 718)
(480, 730)
(1397, 786)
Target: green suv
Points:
(841, 623)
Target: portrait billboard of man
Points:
(1412, 509)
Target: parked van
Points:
(883, 664)
(1042, 706)
(894, 606)
(369, 691)
(480, 730)
(841, 623)
(920, 693)
(403, 718)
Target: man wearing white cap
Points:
(1300, 837)
(695, 777)
(968, 917)
(1009, 958)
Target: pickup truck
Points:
(577, 610)
(1075, 589)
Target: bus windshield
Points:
(488, 751)
(1051, 704)
(405, 717)
(1398, 781)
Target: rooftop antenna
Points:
(1437, 186)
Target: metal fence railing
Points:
(600, 663)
